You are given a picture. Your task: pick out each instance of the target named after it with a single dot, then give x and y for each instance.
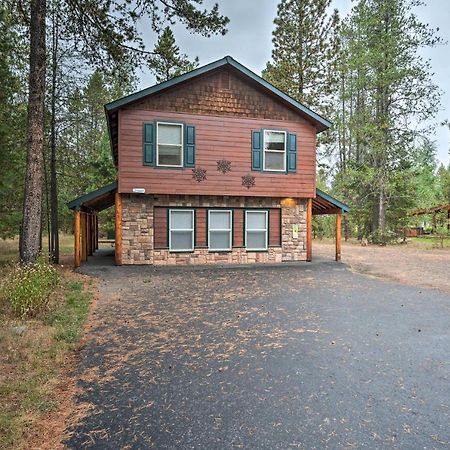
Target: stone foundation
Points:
(137, 231)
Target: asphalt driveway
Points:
(305, 356)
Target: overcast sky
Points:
(249, 41)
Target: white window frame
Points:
(255, 229)
(230, 230)
(182, 230)
(274, 151)
(170, 145)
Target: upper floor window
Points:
(169, 148)
(274, 157)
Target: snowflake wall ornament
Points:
(224, 166)
(199, 174)
(248, 181)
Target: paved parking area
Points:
(302, 356)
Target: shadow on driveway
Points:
(269, 357)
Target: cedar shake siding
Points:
(145, 233)
(221, 93)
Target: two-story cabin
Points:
(214, 166)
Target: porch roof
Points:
(97, 200)
(326, 204)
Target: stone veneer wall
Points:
(137, 230)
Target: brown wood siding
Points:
(160, 228)
(275, 226)
(200, 227)
(238, 228)
(216, 138)
(223, 92)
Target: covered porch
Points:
(323, 204)
(85, 220)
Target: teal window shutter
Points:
(149, 144)
(189, 146)
(256, 150)
(292, 153)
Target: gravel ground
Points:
(308, 356)
(409, 265)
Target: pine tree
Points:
(106, 33)
(12, 125)
(304, 51)
(387, 92)
(168, 62)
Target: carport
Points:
(85, 220)
(322, 204)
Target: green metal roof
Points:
(338, 204)
(322, 123)
(84, 200)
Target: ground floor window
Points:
(216, 228)
(219, 230)
(181, 230)
(256, 230)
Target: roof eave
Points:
(342, 206)
(77, 203)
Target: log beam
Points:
(118, 229)
(309, 230)
(338, 235)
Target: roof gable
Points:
(320, 122)
(221, 92)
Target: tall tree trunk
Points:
(381, 225)
(32, 203)
(53, 181)
(47, 202)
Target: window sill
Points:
(171, 167)
(279, 172)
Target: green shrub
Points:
(28, 287)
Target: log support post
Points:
(118, 229)
(96, 232)
(92, 233)
(338, 235)
(77, 237)
(83, 238)
(88, 233)
(309, 230)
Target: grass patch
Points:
(68, 321)
(9, 248)
(429, 242)
(33, 353)
(27, 289)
